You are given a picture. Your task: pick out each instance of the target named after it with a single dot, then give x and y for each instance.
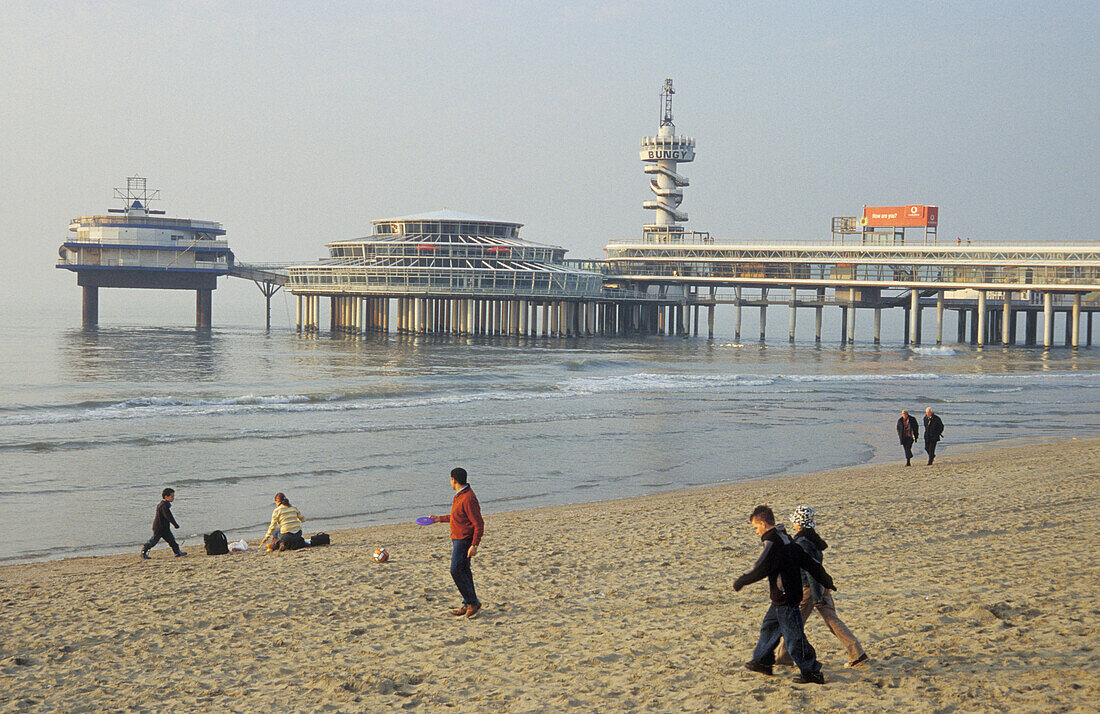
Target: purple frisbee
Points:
(425, 520)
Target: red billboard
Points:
(900, 216)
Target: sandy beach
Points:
(972, 585)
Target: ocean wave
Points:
(938, 351)
(153, 407)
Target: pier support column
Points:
(794, 312)
(90, 305)
(1006, 319)
(914, 317)
(982, 316)
(878, 325)
(851, 316)
(961, 337)
(1048, 319)
(203, 307)
(939, 317)
(763, 322)
(297, 313)
(737, 314)
(1075, 315)
(710, 322)
(818, 312)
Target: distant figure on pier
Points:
(907, 434)
(933, 431)
(288, 520)
(161, 525)
(467, 527)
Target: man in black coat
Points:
(933, 432)
(782, 562)
(907, 434)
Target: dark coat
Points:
(913, 429)
(782, 562)
(163, 518)
(933, 428)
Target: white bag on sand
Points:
(239, 546)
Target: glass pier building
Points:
(449, 272)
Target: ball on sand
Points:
(381, 555)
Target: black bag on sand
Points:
(319, 539)
(216, 543)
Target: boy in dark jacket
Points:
(781, 562)
(815, 597)
(160, 525)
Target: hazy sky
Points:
(294, 124)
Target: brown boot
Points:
(459, 612)
(472, 611)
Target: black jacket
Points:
(933, 428)
(809, 540)
(912, 428)
(782, 562)
(163, 518)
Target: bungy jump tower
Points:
(137, 247)
(662, 153)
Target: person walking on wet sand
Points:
(815, 597)
(933, 432)
(161, 523)
(781, 563)
(467, 527)
(907, 434)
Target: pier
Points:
(989, 287)
(450, 273)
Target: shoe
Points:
(907, 463)
(145, 556)
(472, 611)
(859, 661)
(754, 666)
(809, 678)
(180, 554)
(459, 612)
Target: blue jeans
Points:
(168, 538)
(460, 571)
(785, 621)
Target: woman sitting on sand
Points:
(289, 521)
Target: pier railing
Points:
(923, 267)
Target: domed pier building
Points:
(453, 273)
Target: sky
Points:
(295, 124)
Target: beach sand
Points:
(973, 585)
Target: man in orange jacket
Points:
(467, 527)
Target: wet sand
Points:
(972, 585)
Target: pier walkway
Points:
(991, 284)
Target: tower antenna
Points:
(666, 103)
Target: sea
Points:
(364, 430)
